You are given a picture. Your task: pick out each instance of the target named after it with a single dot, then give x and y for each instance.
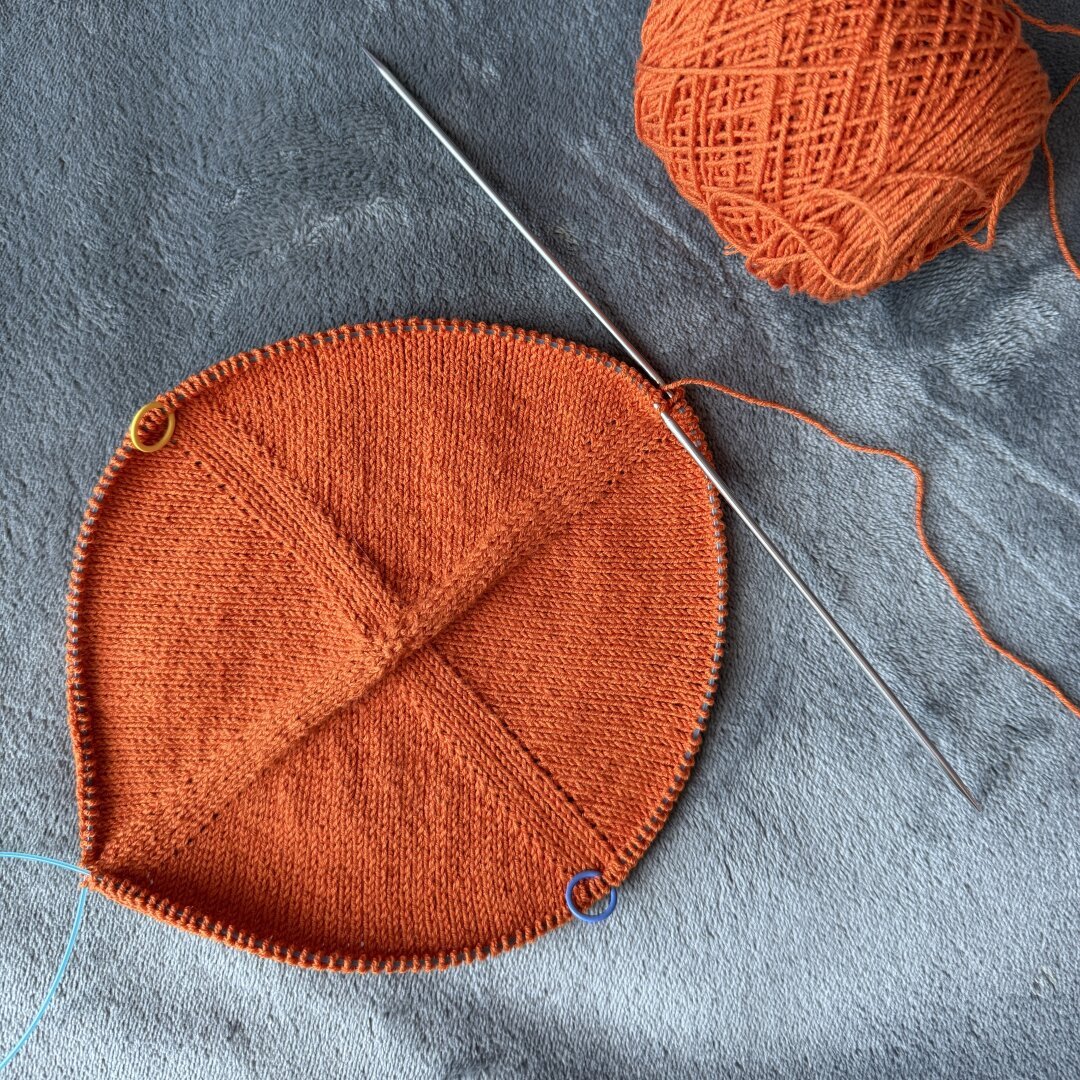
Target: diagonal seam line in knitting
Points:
(485, 744)
(312, 954)
(504, 549)
(289, 516)
(195, 386)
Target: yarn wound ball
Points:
(840, 144)
(404, 626)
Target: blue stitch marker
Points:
(584, 916)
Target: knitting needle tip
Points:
(372, 57)
(680, 436)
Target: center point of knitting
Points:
(414, 642)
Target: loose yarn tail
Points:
(920, 492)
(76, 926)
(1055, 220)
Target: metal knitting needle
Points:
(654, 376)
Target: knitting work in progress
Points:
(397, 630)
(838, 146)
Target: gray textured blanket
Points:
(185, 180)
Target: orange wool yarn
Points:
(839, 145)
(407, 624)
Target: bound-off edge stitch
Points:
(79, 718)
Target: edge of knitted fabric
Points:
(135, 896)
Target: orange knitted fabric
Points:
(839, 145)
(407, 624)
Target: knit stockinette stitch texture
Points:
(406, 625)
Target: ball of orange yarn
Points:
(840, 144)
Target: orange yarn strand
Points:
(1051, 184)
(1041, 24)
(1051, 187)
(920, 494)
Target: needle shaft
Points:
(713, 477)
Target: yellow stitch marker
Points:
(137, 419)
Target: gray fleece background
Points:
(182, 181)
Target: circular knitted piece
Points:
(838, 146)
(406, 625)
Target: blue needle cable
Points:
(76, 926)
